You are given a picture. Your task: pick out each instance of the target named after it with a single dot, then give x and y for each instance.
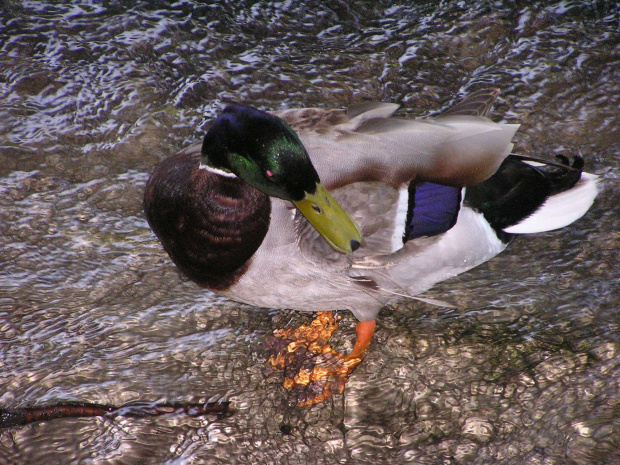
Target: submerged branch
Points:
(23, 416)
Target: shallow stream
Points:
(94, 93)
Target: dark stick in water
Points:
(23, 416)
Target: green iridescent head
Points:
(265, 152)
(262, 150)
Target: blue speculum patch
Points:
(433, 209)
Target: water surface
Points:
(93, 94)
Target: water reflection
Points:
(93, 95)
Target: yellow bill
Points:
(330, 220)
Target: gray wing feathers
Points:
(461, 147)
(478, 103)
(455, 150)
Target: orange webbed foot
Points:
(311, 365)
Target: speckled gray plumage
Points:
(367, 159)
(363, 161)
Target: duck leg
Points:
(323, 370)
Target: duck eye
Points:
(316, 208)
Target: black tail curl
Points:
(519, 188)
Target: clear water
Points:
(94, 93)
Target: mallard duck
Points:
(323, 210)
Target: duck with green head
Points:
(403, 204)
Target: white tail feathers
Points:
(561, 209)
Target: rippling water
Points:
(94, 93)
